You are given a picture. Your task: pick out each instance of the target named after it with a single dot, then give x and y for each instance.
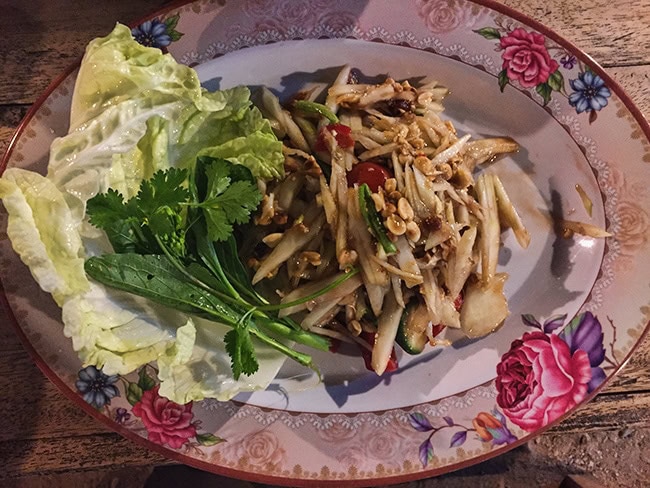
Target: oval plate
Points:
(577, 303)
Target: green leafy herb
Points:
(230, 198)
(155, 277)
(107, 207)
(155, 211)
(239, 346)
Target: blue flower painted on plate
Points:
(589, 93)
(152, 33)
(96, 387)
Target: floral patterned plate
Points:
(579, 304)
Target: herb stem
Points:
(299, 357)
(194, 280)
(342, 279)
(301, 336)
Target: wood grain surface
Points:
(45, 440)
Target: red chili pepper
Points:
(437, 329)
(369, 337)
(373, 174)
(458, 303)
(342, 134)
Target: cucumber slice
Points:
(412, 330)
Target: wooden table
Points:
(44, 439)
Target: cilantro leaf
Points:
(217, 172)
(155, 212)
(106, 208)
(119, 220)
(239, 200)
(239, 346)
(231, 197)
(164, 189)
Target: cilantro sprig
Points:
(174, 244)
(157, 210)
(231, 197)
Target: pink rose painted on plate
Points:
(526, 59)
(544, 375)
(166, 422)
(539, 380)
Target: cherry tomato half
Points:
(372, 174)
(342, 134)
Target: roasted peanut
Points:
(389, 210)
(347, 257)
(425, 98)
(425, 165)
(413, 231)
(312, 257)
(394, 196)
(404, 209)
(390, 185)
(417, 142)
(312, 168)
(445, 170)
(396, 225)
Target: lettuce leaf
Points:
(44, 233)
(117, 331)
(120, 87)
(140, 163)
(134, 111)
(118, 71)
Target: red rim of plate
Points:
(238, 474)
